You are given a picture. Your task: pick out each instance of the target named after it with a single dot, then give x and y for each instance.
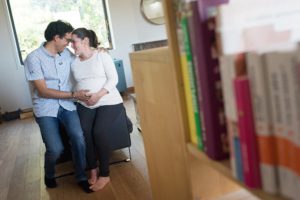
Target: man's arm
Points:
(45, 92)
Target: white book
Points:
(281, 116)
(227, 75)
(296, 91)
(289, 78)
(257, 73)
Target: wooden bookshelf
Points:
(165, 132)
(224, 168)
(160, 101)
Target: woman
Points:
(95, 71)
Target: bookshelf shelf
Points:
(224, 168)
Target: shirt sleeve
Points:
(110, 71)
(33, 68)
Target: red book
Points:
(248, 138)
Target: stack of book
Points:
(240, 70)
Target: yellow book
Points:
(188, 98)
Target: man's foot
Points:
(93, 176)
(85, 186)
(50, 182)
(100, 183)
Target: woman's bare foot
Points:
(93, 176)
(100, 183)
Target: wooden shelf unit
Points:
(160, 100)
(224, 168)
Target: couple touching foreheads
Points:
(49, 69)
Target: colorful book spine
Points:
(267, 149)
(193, 22)
(238, 159)
(248, 141)
(214, 2)
(186, 79)
(227, 75)
(187, 45)
(216, 143)
(273, 62)
(289, 81)
(285, 63)
(296, 149)
(232, 66)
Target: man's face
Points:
(62, 43)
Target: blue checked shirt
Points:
(55, 70)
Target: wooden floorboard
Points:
(21, 163)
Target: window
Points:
(30, 18)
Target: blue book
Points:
(238, 159)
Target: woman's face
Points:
(77, 44)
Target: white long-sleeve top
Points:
(96, 73)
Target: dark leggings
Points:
(96, 124)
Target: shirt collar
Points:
(42, 47)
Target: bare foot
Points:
(100, 183)
(93, 176)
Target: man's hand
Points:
(82, 95)
(102, 49)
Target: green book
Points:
(188, 51)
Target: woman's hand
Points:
(93, 99)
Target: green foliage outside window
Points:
(31, 18)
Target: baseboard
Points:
(26, 113)
(18, 114)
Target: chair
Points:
(119, 139)
(119, 135)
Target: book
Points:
(193, 22)
(290, 79)
(208, 77)
(191, 75)
(274, 62)
(232, 66)
(248, 142)
(238, 159)
(189, 89)
(260, 95)
(214, 2)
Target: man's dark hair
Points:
(59, 28)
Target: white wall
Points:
(128, 27)
(14, 91)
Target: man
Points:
(48, 69)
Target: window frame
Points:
(21, 59)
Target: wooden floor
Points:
(21, 164)
(21, 169)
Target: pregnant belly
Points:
(91, 85)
